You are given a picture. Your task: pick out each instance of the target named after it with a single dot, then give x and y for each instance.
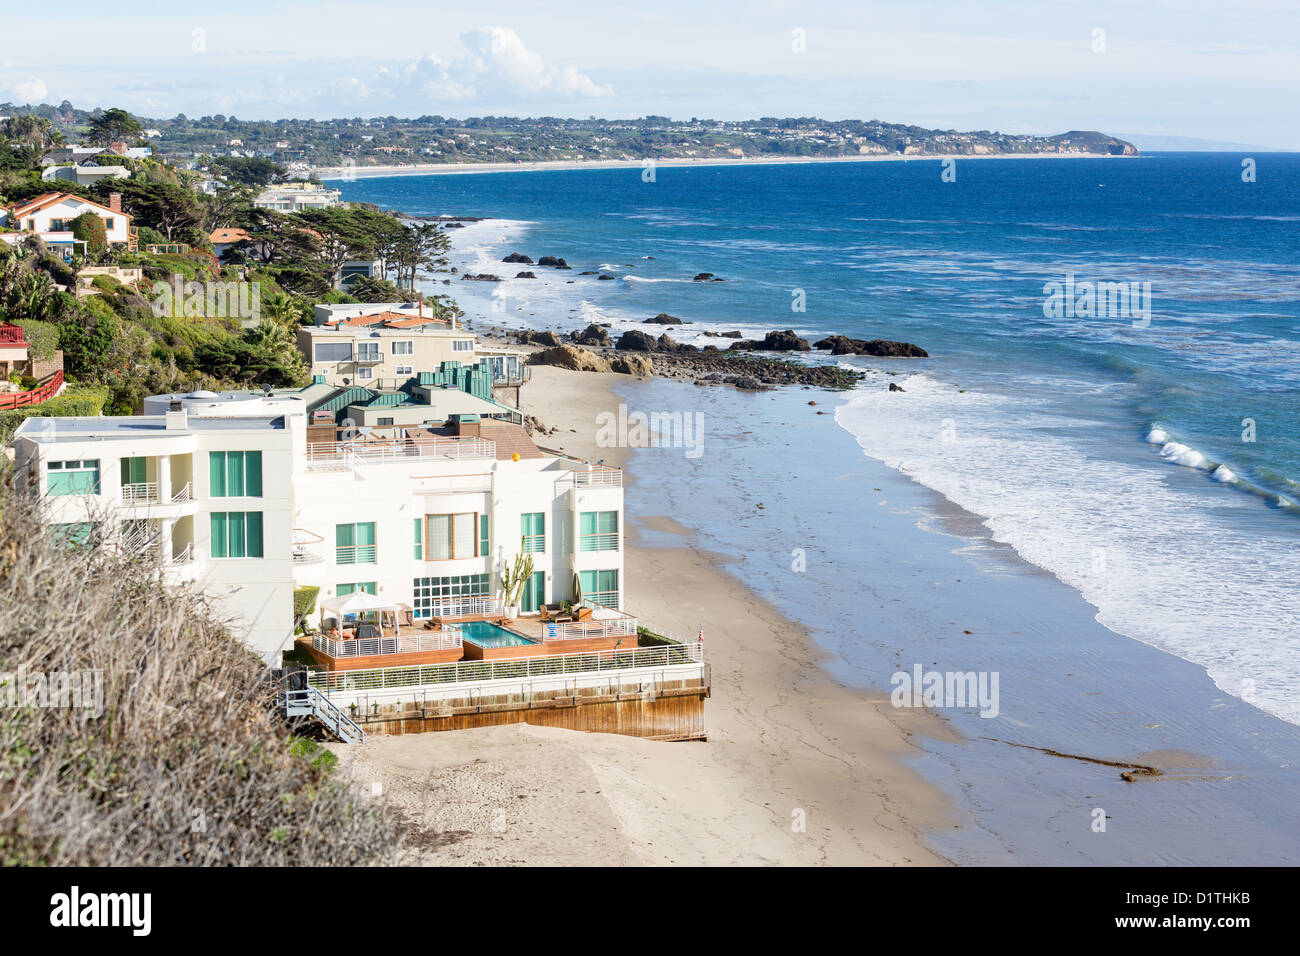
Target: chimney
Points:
(466, 426)
(115, 202)
(176, 416)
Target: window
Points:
(451, 536)
(77, 534)
(598, 531)
(385, 421)
(367, 351)
(534, 531)
(419, 539)
(482, 534)
(355, 543)
(404, 347)
(600, 587)
(236, 534)
(333, 351)
(73, 477)
(462, 345)
(405, 370)
(58, 225)
(108, 223)
(431, 591)
(533, 595)
(365, 373)
(235, 474)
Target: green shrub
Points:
(42, 338)
(76, 400)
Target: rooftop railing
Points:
(598, 475)
(475, 606)
(604, 622)
(140, 492)
(332, 454)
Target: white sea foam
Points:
(1224, 474)
(1180, 454)
(1202, 583)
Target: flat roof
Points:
(138, 426)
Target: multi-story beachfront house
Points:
(242, 495)
(296, 197)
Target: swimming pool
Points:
(487, 634)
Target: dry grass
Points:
(187, 763)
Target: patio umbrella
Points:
(577, 588)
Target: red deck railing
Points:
(36, 395)
(12, 335)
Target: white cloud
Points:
(497, 64)
(30, 90)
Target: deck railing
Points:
(332, 454)
(478, 606)
(355, 554)
(601, 475)
(604, 541)
(381, 678)
(140, 491)
(609, 623)
(12, 335)
(36, 395)
(185, 494)
(410, 642)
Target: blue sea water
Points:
(1150, 465)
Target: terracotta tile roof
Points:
(49, 199)
(410, 321)
(227, 235)
(363, 320)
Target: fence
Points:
(36, 395)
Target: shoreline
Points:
(351, 173)
(787, 742)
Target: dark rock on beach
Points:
(525, 275)
(593, 335)
(880, 348)
(529, 337)
(785, 341)
(480, 277)
(663, 318)
(635, 341)
(554, 261)
(518, 257)
(703, 277)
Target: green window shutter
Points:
(235, 474)
(219, 545)
(236, 542)
(608, 522)
(419, 542)
(588, 581)
(253, 534)
(365, 533)
(126, 472)
(482, 534)
(370, 588)
(343, 590)
(587, 522)
(253, 474)
(217, 474)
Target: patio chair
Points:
(582, 614)
(366, 631)
(552, 612)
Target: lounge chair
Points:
(582, 614)
(553, 612)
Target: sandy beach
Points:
(348, 173)
(797, 769)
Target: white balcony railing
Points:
(308, 548)
(604, 622)
(411, 642)
(140, 492)
(463, 607)
(599, 475)
(605, 541)
(355, 554)
(185, 556)
(332, 454)
(183, 495)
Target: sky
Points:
(1225, 71)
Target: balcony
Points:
(140, 492)
(308, 548)
(598, 476)
(336, 455)
(448, 637)
(11, 336)
(355, 554)
(605, 541)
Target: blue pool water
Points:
(486, 634)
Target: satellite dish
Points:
(345, 381)
(266, 389)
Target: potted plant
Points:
(513, 578)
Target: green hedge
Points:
(76, 400)
(42, 338)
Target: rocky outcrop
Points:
(633, 364)
(518, 257)
(881, 348)
(571, 357)
(524, 275)
(666, 344)
(553, 261)
(784, 341)
(606, 277)
(529, 337)
(480, 277)
(663, 318)
(894, 387)
(635, 341)
(706, 277)
(593, 335)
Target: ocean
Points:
(1146, 457)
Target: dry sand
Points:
(786, 743)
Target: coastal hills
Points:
(302, 144)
